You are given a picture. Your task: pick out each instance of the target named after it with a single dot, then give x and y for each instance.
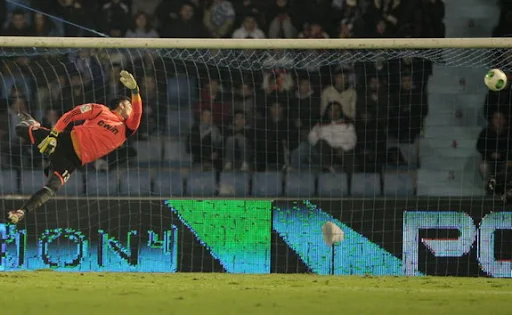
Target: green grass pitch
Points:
(147, 294)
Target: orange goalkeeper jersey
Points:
(103, 130)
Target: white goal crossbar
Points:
(203, 43)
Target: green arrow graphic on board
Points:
(236, 232)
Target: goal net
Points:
(247, 148)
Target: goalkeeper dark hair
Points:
(114, 103)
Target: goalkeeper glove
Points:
(48, 145)
(128, 81)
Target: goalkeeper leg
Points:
(63, 162)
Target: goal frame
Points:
(257, 44)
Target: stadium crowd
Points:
(350, 116)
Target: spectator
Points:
(212, 98)
(50, 117)
(282, 21)
(244, 100)
(249, 29)
(147, 6)
(113, 87)
(381, 30)
(345, 30)
(305, 106)
(350, 12)
(186, 25)
(141, 27)
(271, 137)
(245, 8)
(408, 111)
(493, 144)
(18, 25)
(313, 30)
(219, 18)
(334, 139)
(238, 150)
(434, 12)
(43, 26)
(339, 91)
(89, 66)
(72, 11)
(384, 10)
(205, 142)
(374, 99)
(75, 93)
(116, 15)
(371, 140)
(154, 115)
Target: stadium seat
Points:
(234, 184)
(365, 185)
(182, 91)
(31, 181)
(8, 182)
(175, 153)
(332, 185)
(398, 184)
(167, 184)
(74, 186)
(179, 122)
(201, 184)
(102, 183)
(148, 151)
(34, 180)
(299, 184)
(267, 184)
(135, 183)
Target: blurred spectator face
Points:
(281, 3)
(498, 121)
(374, 84)
(39, 20)
(239, 121)
(345, 30)
(84, 53)
(51, 115)
(116, 32)
(335, 111)
(213, 86)
(245, 90)
(114, 73)
(276, 111)
(141, 21)
(18, 21)
(407, 82)
(381, 27)
(316, 30)
(149, 84)
(76, 82)
(18, 105)
(304, 87)
(186, 12)
(339, 81)
(249, 23)
(15, 92)
(206, 117)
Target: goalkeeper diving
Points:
(104, 130)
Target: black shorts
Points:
(64, 161)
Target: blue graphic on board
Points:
(301, 228)
(71, 250)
